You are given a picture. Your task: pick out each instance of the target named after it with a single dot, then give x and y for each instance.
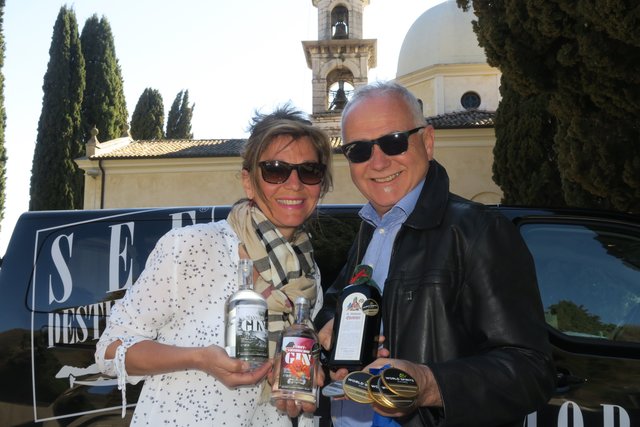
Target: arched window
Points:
(339, 88)
(340, 23)
(339, 94)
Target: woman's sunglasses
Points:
(391, 145)
(278, 172)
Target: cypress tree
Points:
(583, 56)
(3, 117)
(525, 165)
(525, 161)
(56, 181)
(104, 105)
(147, 120)
(179, 119)
(597, 99)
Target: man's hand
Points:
(428, 391)
(339, 374)
(324, 336)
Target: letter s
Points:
(62, 268)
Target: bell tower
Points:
(339, 60)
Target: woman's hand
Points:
(229, 371)
(151, 358)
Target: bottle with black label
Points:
(356, 325)
(297, 359)
(247, 334)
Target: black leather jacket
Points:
(461, 297)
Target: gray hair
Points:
(383, 88)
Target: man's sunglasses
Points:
(278, 172)
(391, 145)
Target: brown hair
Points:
(285, 120)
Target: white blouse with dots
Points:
(179, 299)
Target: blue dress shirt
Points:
(346, 413)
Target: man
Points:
(461, 310)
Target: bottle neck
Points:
(370, 283)
(245, 274)
(302, 312)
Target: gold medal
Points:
(399, 382)
(374, 391)
(391, 400)
(355, 387)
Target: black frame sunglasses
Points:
(391, 144)
(278, 172)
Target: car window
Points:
(85, 262)
(589, 278)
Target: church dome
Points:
(441, 35)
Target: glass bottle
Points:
(297, 358)
(354, 342)
(247, 334)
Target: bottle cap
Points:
(399, 382)
(301, 301)
(363, 274)
(355, 387)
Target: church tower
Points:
(339, 60)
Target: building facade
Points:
(440, 62)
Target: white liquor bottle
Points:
(247, 334)
(297, 359)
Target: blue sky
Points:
(233, 56)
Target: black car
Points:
(63, 270)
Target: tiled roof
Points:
(174, 148)
(184, 148)
(463, 119)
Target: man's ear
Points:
(247, 185)
(428, 139)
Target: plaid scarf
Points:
(286, 268)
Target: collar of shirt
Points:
(378, 252)
(401, 210)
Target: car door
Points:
(588, 269)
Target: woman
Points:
(169, 327)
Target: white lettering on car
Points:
(609, 415)
(76, 324)
(115, 255)
(61, 268)
(179, 219)
(570, 415)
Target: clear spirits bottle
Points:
(297, 359)
(357, 322)
(247, 334)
